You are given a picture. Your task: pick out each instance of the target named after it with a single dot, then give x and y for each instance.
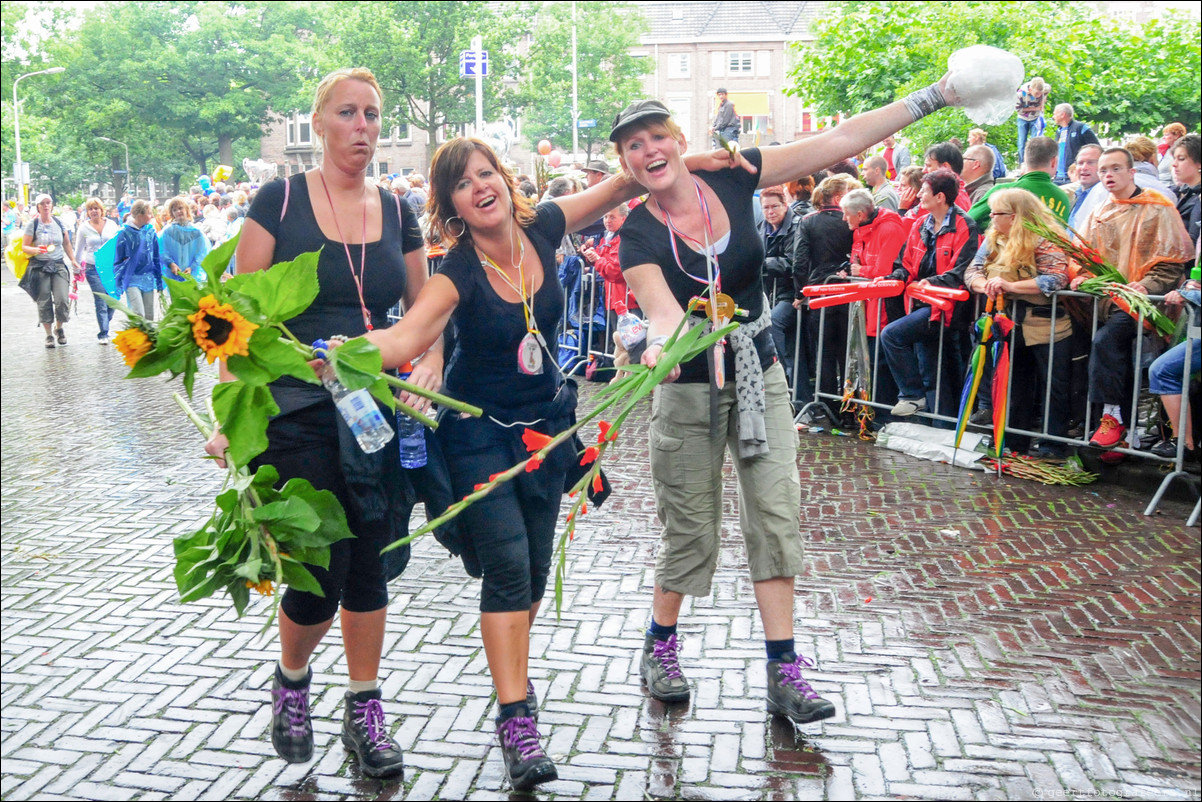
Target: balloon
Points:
(544, 147)
(204, 182)
(554, 158)
(222, 172)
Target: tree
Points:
(413, 49)
(608, 76)
(868, 54)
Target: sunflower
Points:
(133, 343)
(220, 331)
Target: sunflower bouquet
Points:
(1106, 280)
(259, 537)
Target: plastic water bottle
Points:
(631, 328)
(411, 433)
(358, 408)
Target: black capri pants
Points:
(304, 444)
(511, 530)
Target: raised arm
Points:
(586, 207)
(421, 326)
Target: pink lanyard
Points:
(714, 280)
(358, 278)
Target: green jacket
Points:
(1039, 184)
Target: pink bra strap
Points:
(287, 192)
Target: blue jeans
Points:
(911, 348)
(1164, 377)
(1026, 130)
(104, 315)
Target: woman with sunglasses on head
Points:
(696, 236)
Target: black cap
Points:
(637, 111)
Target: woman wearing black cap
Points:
(696, 236)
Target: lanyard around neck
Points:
(520, 287)
(357, 277)
(713, 277)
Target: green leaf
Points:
(356, 363)
(283, 518)
(243, 411)
(218, 259)
(324, 504)
(270, 357)
(297, 576)
(249, 570)
(240, 595)
(310, 556)
(284, 290)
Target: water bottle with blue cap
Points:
(358, 408)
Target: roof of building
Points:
(757, 20)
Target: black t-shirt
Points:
(336, 309)
(483, 369)
(645, 240)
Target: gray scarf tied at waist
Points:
(749, 387)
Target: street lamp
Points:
(22, 195)
(122, 144)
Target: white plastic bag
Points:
(986, 79)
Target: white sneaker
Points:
(906, 407)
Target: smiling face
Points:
(481, 196)
(652, 156)
(349, 124)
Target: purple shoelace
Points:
(371, 716)
(521, 733)
(791, 673)
(294, 704)
(665, 651)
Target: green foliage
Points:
(1122, 78)
(608, 75)
(413, 49)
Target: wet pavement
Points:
(982, 639)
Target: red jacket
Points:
(941, 257)
(875, 246)
(607, 267)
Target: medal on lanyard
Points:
(530, 354)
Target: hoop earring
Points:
(462, 227)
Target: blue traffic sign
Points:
(473, 63)
(586, 123)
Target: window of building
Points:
(289, 131)
(382, 168)
(304, 129)
(739, 62)
(679, 65)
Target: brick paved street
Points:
(982, 639)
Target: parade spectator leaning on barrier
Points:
(822, 247)
(1039, 163)
(878, 236)
(938, 250)
(1187, 162)
(1140, 233)
(372, 256)
(1015, 264)
(692, 226)
(47, 243)
(498, 284)
(1165, 376)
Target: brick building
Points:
(694, 49)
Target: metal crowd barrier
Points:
(819, 398)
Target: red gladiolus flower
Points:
(480, 486)
(533, 464)
(584, 508)
(604, 426)
(590, 454)
(598, 487)
(494, 477)
(535, 440)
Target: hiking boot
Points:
(526, 764)
(365, 734)
(791, 696)
(906, 407)
(982, 417)
(660, 669)
(61, 335)
(1109, 433)
(49, 340)
(291, 728)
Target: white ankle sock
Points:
(294, 674)
(1114, 411)
(355, 686)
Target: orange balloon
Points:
(554, 158)
(544, 147)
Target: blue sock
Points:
(780, 650)
(659, 631)
(512, 710)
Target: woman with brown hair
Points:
(92, 234)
